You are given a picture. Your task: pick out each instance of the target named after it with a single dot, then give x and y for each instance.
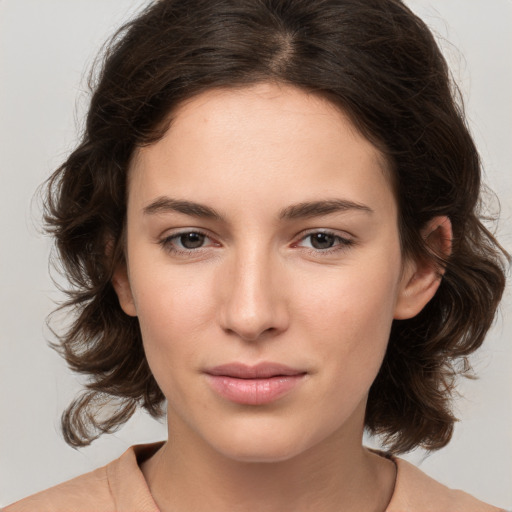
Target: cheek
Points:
(349, 317)
(171, 297)
(173, 312)
(348, 300)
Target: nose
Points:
(253, 305)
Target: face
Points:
(264, 265)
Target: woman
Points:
(272, 223)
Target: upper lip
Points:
(258, 371)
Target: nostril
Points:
(252, 335)
(250, 304)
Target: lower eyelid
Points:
(168, 242)
(344, 240)
(344, 246)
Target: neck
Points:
(332, 476)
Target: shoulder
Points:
(119, 485)
(84, 493)
(417, 492)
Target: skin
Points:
(258, 288)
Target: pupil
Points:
(322, 240)
(192, 240)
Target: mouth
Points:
(253, 385)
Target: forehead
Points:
(258, 140)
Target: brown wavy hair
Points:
(380, 64)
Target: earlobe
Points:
(121, 284)
(422, 278)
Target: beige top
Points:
(120, 487)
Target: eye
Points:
(185, 242)
(191, 240)
(325, 242)
(322, 240)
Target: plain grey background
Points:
(46, 50)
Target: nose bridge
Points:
(253, 303)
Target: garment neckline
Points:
(143, 452)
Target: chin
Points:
(263, 445)
(261, 453)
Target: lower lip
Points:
(254, 391)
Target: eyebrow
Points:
(317, 208)
(168, 204)
(297, 211)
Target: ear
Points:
(121, 284)
(421, 278)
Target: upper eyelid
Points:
(174, 236)
(345, 241)
(301, 234)
(298, 238)
(168, 234)
(337, 233)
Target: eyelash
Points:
(167, 243)
(342, 244)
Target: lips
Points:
(253, 385)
